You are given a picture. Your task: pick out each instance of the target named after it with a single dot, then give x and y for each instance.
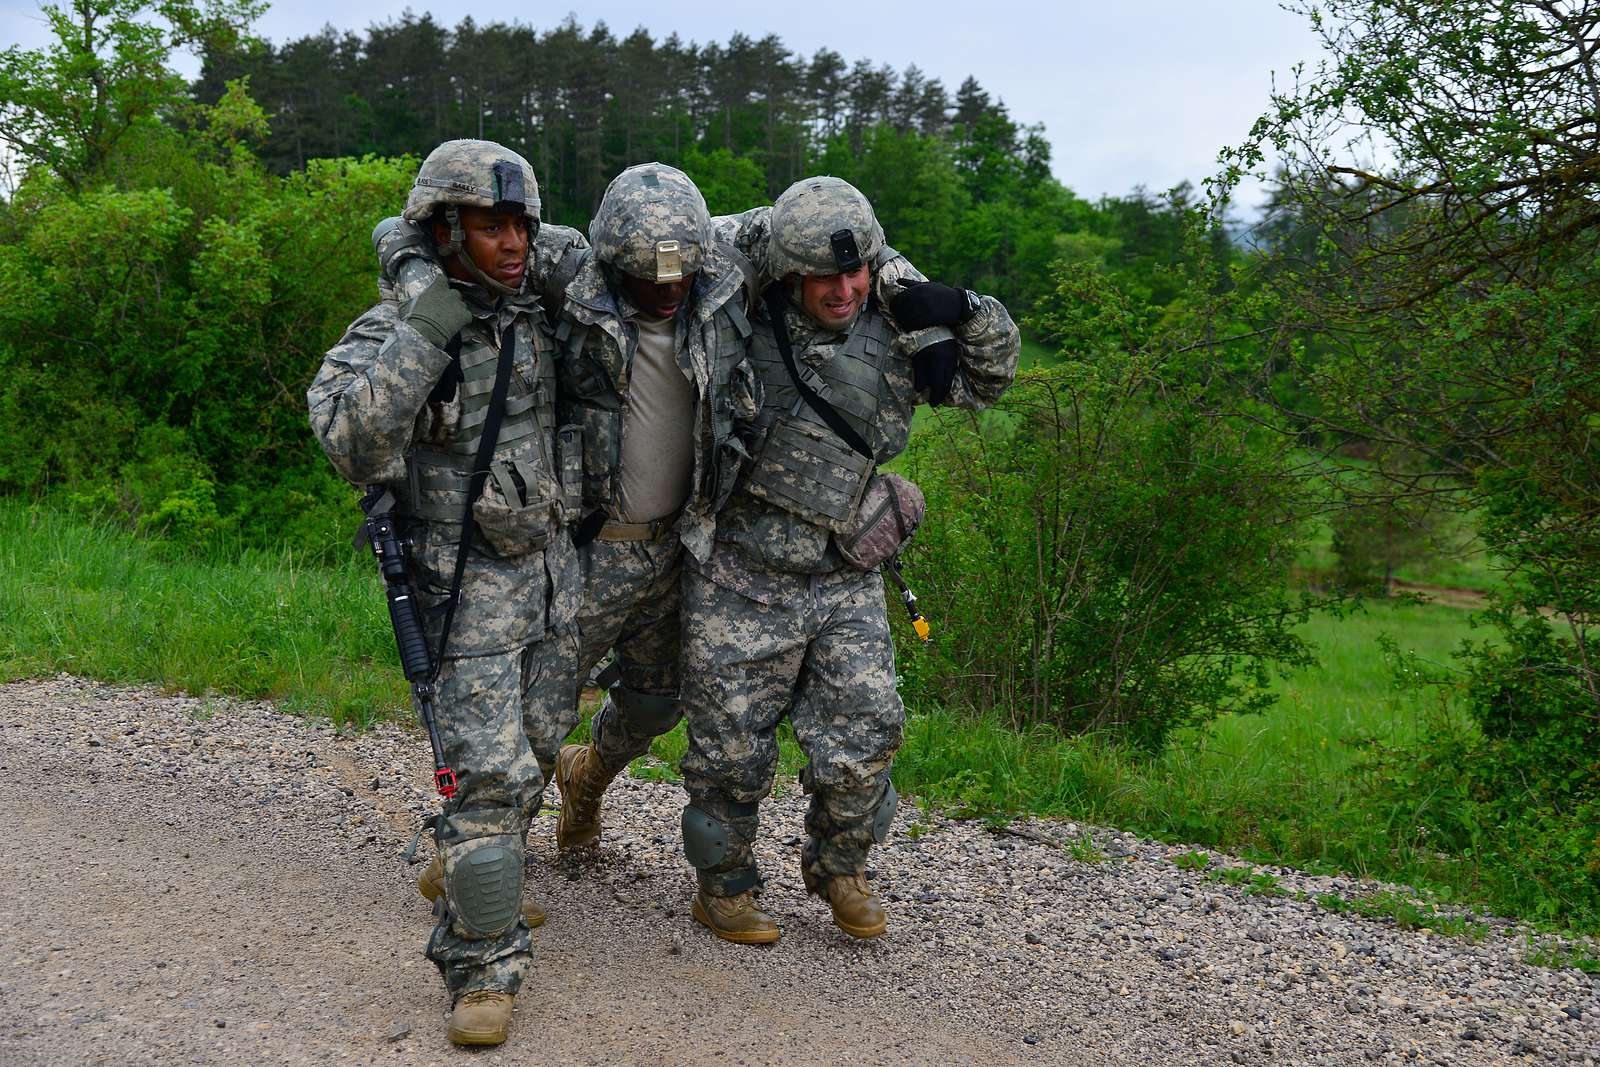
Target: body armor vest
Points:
(802, 466)
(593, 381)
(523, 472)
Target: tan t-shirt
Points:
(657, 427)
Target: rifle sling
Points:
(480, 473)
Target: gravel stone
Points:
(198, 861)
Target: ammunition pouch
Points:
(804, 468)
(519, 508)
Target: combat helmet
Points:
(468, 173)
(822, 225)
(652, 224)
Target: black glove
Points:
(934, 368)
(438, 312)
(924, 304)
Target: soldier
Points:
(775, 622)
(653, 337)
(404, 401)
(653, 376)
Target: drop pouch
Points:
(891, 509)
(518, 509)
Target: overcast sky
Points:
(1128, 93)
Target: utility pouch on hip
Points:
(891, 510)
(805, 469)
(519, 507)
(569, 467)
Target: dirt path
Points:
(219, 884)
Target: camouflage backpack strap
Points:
(560, 276)
(751, 280)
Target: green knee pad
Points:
(706, 841)
(884, 815)
(647, 713)
(707, 838)
(484, 885)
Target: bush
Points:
(1104, 553)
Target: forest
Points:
(1224, 457)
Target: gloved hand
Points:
(438, 313)
(923, 304)
(934, 368)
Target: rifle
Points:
(378, 530)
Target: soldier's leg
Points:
(849, 720)
(740, 662)
(645, 703)
(480, 941)
(630, 604)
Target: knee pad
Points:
(483, 885)
(482, 850)
(883, 816)
(647, 713)
(707, 838)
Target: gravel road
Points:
(212, 882)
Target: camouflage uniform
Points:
(775, 624)
(512, 646)
(631, 571)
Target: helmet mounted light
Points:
(669, 261)
(845, 253)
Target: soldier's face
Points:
(496, 242)
(834, 300)
(658, 299)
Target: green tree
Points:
(66, 107)
(1453, 295)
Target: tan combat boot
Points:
(481, 1017)
(737, 918)
(582, 781)
(430, 883)
(856, 910)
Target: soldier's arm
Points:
(989, 344)
(748, 232)
(978, 354)
(366, 398)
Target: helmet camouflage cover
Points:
(473, 174)
(652, 224)
(822, 226)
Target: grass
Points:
(87, 598)
(1406, 912)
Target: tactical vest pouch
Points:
(803, 468)
(519, 508)
(891, 510)
(569, 462)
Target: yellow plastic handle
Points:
(921, 626)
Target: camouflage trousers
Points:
(630, 605)
(486, 706)
(819, 653)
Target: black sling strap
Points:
(776, 305)
(480, 473)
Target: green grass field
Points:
(96, 601)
